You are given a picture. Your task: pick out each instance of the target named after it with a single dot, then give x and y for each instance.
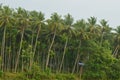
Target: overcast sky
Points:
(102, 9)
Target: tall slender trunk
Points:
(48, 56)
(78, 66)
(8, 61)
(22, 64)
(36, 40)
(18, 55)
(30, 60)
(9, 53)
(77, 57)
(34, 50)
(43, 60)
(4, 67)
(63, 54)
(3, 48)
(81, 71)
(13, 56)
(57, 60)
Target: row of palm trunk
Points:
(56, 43)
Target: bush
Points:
(14, 76)
(65, 77)
(34, 73)
(1, 73)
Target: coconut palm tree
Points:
(54, 25)
(68, 32)
(80, 26)
(93, 27)
(105, 29)
(37, 18)
(23, 21)
(6, 20)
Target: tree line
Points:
(58, 44)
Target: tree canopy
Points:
(29, 42)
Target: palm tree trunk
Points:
(9, 54)
(8, 61)
(3, 48)
(63, 54)
(31, 62)
(48, 56)
(18, 56)
(36, 40)
(81, 70)
(13, 56)
(73, 70)
(77, 57)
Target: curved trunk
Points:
(34, 50)
(36, 41)
(18, 55)
(77, 57)
(63, 54)
(48, 56)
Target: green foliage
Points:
(34, 73)
(98, 65)
(65, 77)
(1, 73)
(13, 76)
(34, 47)
(52, 53)
(27, 53)
(48, 71)
(114, 72)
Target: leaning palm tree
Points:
(54, 25)
(37, 20)
(23, 21)
(80, 26)
(68, 32)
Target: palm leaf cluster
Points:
(57, 43)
